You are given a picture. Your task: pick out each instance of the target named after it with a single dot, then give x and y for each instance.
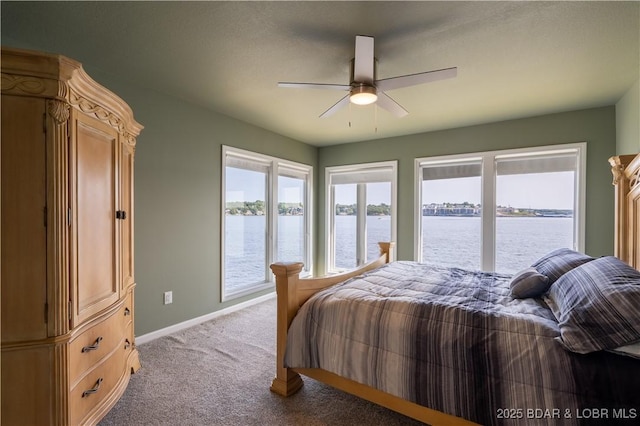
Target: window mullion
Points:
(307, 225)
(361, 223)
(417, 213)
(579, 200)
(270, 228)
(331, 243)
(487, 235)
(272, 219)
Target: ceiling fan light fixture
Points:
(363, 94)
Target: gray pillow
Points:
(559, 262)
(528, 283)
(597, 305)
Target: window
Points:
(534, 200)
(293, 229)
(361, 212)
(450, 219)
(266, 218)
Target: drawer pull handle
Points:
(127, 312)
(127, 344)
(93, 347)
(94, 389)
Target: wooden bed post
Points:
(292, 292)
(286, 381)
(388, 250)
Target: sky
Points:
(539, 191)
(246, 185)
(544, 191)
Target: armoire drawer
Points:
(98, 384)
(97, 342)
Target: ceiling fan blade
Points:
(341, 103)
(314, 86)
(390, 105)
(363, 61)
(415, 79)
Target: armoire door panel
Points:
(126, 185)
(24, 233)
(96, 283)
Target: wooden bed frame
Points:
(293, 291)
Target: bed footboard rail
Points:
(292, 291)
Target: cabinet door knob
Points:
(93, 347)
(127, 312)
(121, 214)
(94, 389)
(127, 344)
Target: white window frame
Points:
(275, 167)
(488, 195)
(354, 170)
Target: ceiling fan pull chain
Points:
(375, 118)
(349, 114)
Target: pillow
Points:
(528, 283)
(597, 305)
(558, 262)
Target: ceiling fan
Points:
(364, 89)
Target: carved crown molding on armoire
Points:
(68, 144)
(626, 180)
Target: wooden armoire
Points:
(68, 144)
(626, 179)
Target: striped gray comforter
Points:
(455, 341)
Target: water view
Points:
(455, 241)
(449, 240)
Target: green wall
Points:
(596, 126)
(628, 121)
(177, 200)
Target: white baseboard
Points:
(145, 338)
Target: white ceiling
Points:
(514, 59)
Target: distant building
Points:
(451, 209)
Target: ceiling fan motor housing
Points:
(363, 92)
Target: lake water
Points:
(452, 241)
(455, 241)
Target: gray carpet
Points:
(219, 373)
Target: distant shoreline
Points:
(424, 215)
(259, 208)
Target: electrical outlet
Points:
(168, 297)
